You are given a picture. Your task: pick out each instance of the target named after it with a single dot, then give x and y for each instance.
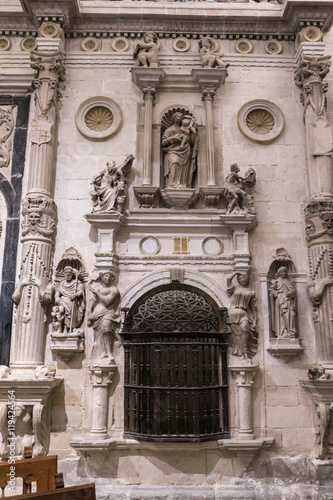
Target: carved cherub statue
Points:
(208, 58)
(146, 52)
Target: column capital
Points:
(149, 93)
(244, 375)
(102, 375)
(208, 94)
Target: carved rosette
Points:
(39, 218)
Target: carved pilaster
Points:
(101, 378)
(208, 98)
(309, 76)
(244, 375)
(39, 212)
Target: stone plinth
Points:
(178, 198)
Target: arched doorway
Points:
(176, 387)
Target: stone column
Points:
(208, 98)
(309, 77)
(39, 212)
(101, 379)
(244, 375)
(149, 97)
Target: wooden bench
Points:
(42, 470)
(81, 492)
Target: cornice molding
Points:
(194, 19)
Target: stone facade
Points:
(176, 231)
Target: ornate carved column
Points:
(208, 98)
(310, 73)
(39, 210)
(101, 379)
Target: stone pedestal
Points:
(101, 378)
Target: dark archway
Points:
(176, 385)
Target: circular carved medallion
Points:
(149, 245)
(120, 44)
(98, 117)
(89, 44)
(212, 246)
(28, 43)
(312, 34)
(244, 46)
(273, 47)
(5, 43)
(181, 44)
(260, 120)
(49, 30)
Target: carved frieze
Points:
(7, 123)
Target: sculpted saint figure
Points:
(104, 314)
(110, 187)
(179, 143)
(70, 301)
(207, 56)
(146, 52)
(283, 305)
(237, 190)
(242, 316)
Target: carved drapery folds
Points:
(284, 340)
(67, 337)
(6, 131)
(110, 187)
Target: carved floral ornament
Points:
(244, 46)
(28, 43)
(98, 117)
(260, 120)
(90, 44)
(5, 43)
(273, 47)
(120, 44)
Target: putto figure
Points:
(207, 56)
(110, 187)
(146, 52)
(70, 302)
(242, 316)
(238, 190)
(283, 305)
(104, 314)
(179, 143)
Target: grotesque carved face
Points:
(34, 217)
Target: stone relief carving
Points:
(104, 315)
(6, 130)
(238, 190)
(146, 52)
(39, 216)
(323, 430)
(69, 301)
(179, 143)
(207, 56)
(283, 305)
(50, 70)
(242, 316)
(110, 187)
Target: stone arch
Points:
(192, 278)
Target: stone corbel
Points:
(240, 225)
(285, 349)
(146, 195)
(321, 391)
(244, 444)
(34, 395)
(101, 378)
(66, 346)
(211, 196)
